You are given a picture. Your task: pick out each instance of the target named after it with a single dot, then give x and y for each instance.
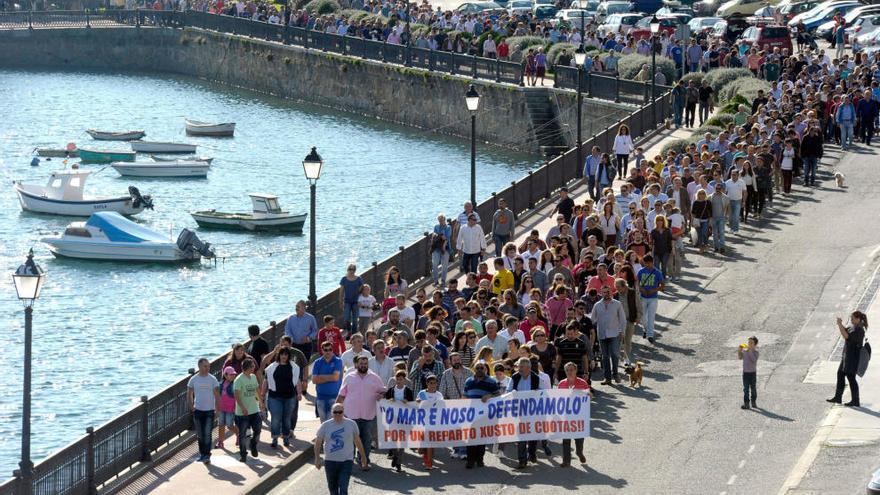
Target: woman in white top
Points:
(610, 224)
(787, 166)
(748, 176)
(623, 146)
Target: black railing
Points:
(104, 453)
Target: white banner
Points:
(517, 416)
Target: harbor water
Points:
(107, 333)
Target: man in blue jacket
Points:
(846, 119)
(591, 166)
(867, 112)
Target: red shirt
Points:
(334, 336)
(483, 276)
(579, 384)
(526, 327)
(597, 284)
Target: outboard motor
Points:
(189, 243)
(137, 199)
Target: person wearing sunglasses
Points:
(338, 437)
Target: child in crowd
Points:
(331, 333)
(366, 305)
(748, 354)
(227, 407)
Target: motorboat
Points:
(192, 158)
(110, 236)
(63, 195)
(176, 168)
(160, 147)
(197, 128)
(116, 136)
(106, 156)
(266, 216)
(57, 152)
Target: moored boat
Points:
(115, 136)
(110, 236)
(266, 216)
(162, 147)
(57, 152)
(198, 128)
(177, 168)
(63, 195)
(192, 158)
(106, 156)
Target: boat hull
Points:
(57, 153)
(151, 147)
(38, 204)
(116, 136)
(102, 251)
(163, 169)
(106, 156)
(213, 220)
(195, 128)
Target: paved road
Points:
(684, 432)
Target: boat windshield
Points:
(77, 232)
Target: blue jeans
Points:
(811, 163)
(350, 317)
(735, 211)
(338, 474)
(323, 406)
(702, 232)
(366, 433)
(255, 423)
(677, 111)
(610, 356)
(661, 261)
(439, 266)
(204, 421)
(649, 306)
(694, 67)
(718, 224)
(846, 135)
(280, 411)
(500, 241)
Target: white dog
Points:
(839, 177)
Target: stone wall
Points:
(412, 97)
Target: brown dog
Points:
(635, 378)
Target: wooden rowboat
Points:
(116, 136)
(197, 128)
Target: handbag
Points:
(864, 359)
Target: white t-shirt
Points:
(676, 221)
(735, 189)
(349, 356)
(406, 314)
(425, 395)
(365, 306)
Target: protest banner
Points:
(514, 417)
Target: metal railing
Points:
(104, 453)
(471, 66)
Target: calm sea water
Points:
(106, 333)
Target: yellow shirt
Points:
(501, 281)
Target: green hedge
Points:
(556, 50)
(720, 120)
(697, 77)
(703, 129)
(732, 105)
(323, 7)
(747, 88)
(719, 78)
(677, 145)
(630, 65)
(519, 46)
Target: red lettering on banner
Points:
(417, 435)
(525, 428)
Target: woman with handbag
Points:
(853, 338)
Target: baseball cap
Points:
(229, 370)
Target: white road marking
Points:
(842, 296)
(751, 449)
(760, 433)
(741, 464)
(874, 252)
(302, 475)
(809, 454)
(732, 479)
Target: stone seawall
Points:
(408, 96)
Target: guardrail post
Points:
(431, 60)
(589, 85)
(522, 76)
(274, 326)
(617, 88)
(428, 259)
(91, 486)
(30, 22)
(645, 92)
(452, 69)
(494, 200)
(531, 177)
(513, 198)
(497, 70)
(402, 260)
(323, 42)
(88, 21)
(547, 182)
(474, 67)
(344, 47)
(145, 431)
(555, 78)
(383, 50)
(137, 17)
(375, 280)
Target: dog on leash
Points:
(635, 374)
(839, 177)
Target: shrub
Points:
(718, 78)
(703, 129)
(747, 88)
(354, 14)
(630, 65)
(556, 50)
(677, 145)
(732, 105)
(520, 45)
(696, 77)
(720, 120)
(323, 7)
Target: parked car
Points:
(741, 7)
(866, 25)
(826, 29)
(770, 35)
(791, 9)
(642, 29)
(608, 8)
(573, 17)
(702, 25)
(544, 12)
(519, 7)
(479, 7)
(706, 7)
(617, 23)
(589, 5)
(815, 19)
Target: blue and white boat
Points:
(110, 236)
(63, 195)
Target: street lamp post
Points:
(472, 99)
(312, 166)
(580, 56)
(655, 28)
(28, 280)
(408, 35)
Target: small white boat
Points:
(197, 128)
(116, 136)
(178, 168)
(110, 236)
(266, 216)
(63, 195)
(192, 158)
(160, 147)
